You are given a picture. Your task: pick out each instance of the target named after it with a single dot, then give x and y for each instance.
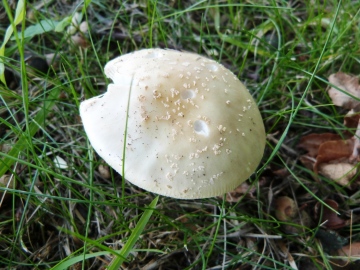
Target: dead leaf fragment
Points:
(312, 142)
(341, 173)
(351, 121)
(352, 252)
(333, 151)
(327, 216)
(331, 156)
(350, 87)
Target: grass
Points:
(82, 215)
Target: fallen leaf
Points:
(356, 138)
(312, 142)
(350, 87)
(308, 162)
(332, 151)
(351, 121)
(328, 217)
(341, 173)
(331, 156)
(351, 251)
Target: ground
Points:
(62, 207)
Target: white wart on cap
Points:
(193, 129)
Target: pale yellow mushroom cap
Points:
(193, 130)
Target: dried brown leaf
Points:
(332, 151)
(351, 121)
(327, 216)
(312, 142)
(350, 87)
(356, 139)
(352, 252)
(308, 162)
(341, 173)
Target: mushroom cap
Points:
(193, 129)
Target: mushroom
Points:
(190, 128)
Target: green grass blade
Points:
(36, 123)
(74, 260)
(124, 252)
(19, 14)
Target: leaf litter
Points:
(335, 157)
